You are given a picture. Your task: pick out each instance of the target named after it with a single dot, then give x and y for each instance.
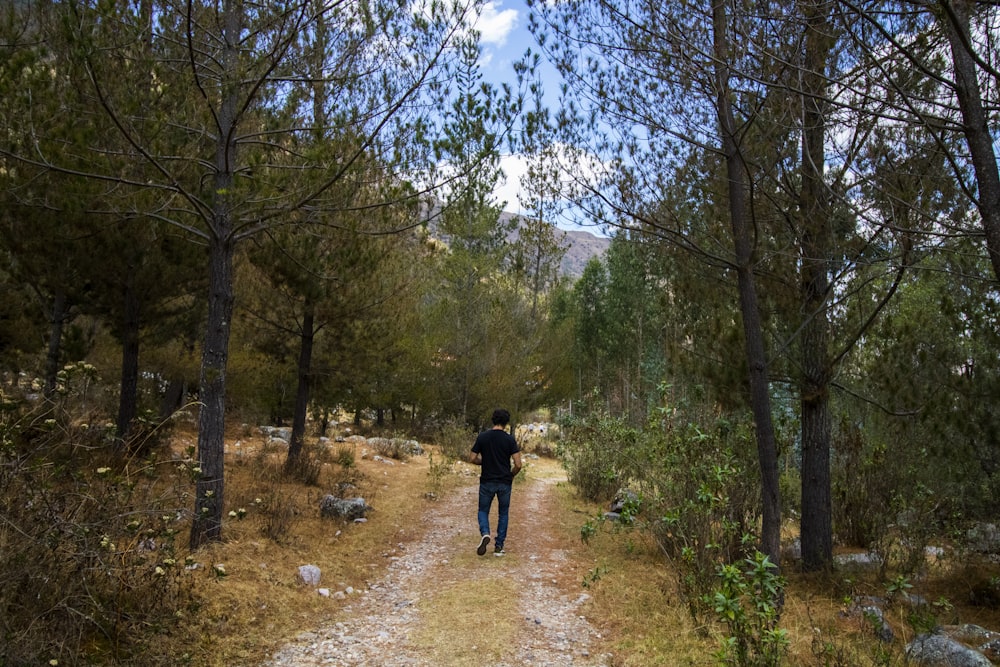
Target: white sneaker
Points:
(482, 545)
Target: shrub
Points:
(89, 562)
(454, 441)
(595, 454)
(695, 473)
(308, 465)
(393, 448)
(749, 602)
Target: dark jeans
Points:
(487, 490)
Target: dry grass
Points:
(635, 604)
(456, 631)
(258, 605)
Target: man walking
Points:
(494, 450)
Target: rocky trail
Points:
(440, 604)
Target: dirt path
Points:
(440, 604)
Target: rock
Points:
(350, 509)
(991, 650)
(858, 559)
(309, 575)
(278, 432)
(870, 609)
(969, 633)
(938, 650)
(625, 498)
(984, 538)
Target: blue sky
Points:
(505, 37)
(503, 26)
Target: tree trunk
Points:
(129, 385)
(302, 390)
(955, 19)
(760, 397)
(207, 525)
(57, 319)
(209, 497)
(816, 527)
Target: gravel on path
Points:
(377, 624)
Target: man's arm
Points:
(476, 459)
(517, 464)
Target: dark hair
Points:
(501, 417)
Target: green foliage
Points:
(594, 576)
(594, 453)
(749, 602)
(437, 471)
(927, 366)
(345, 455)
(881, 506)
(90, 561)
(694, 487)
(455, 440)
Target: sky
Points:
(503, 25)
(504, 37)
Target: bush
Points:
(308, 465)
(749, 602)
(89, 560)
(595, 453)
(455, 441)
(394, 448)
(695, 473)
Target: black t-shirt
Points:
(497, 447)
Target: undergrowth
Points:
(89, 550)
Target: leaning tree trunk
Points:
(760, 397)
(975, 123)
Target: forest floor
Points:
(406, 587)
(440, 603)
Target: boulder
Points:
(624, 498)
(938, 650)
(309, 575)
(984, 538)
(349, 509)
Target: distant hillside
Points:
(582, 246)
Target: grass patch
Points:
(632, 594)
(259, 605)
(483, 612)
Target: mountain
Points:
(583, 245)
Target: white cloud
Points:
(514, 167)
(495, 25)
